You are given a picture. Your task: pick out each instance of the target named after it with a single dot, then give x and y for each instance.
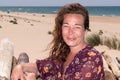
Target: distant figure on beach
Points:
(71, 58)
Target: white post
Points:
(6, 54)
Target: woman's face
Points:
(73, 31)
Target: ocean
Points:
(93, 10)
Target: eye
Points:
(65, 25)
(78, 27)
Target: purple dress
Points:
(86, 65)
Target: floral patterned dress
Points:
(86, 65)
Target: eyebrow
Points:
(65, 23)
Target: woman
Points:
(71, 58)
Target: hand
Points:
(30, 76)
(17, 73)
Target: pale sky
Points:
(58, 2)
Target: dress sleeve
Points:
(46, 68)
(92, 68)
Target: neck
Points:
(76, 49)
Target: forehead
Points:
(73, 15)
(73, 18)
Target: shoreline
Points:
(56, 13)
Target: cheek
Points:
(80, 34)
(64, 32)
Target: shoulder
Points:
(45, 61)
(46, 65)
(94, 56)
(91, 51)
(90, 54)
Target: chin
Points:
(71, 45)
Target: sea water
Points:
(93, 10)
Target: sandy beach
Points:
(31, 32)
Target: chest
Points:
(71, 66)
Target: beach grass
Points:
(111, 43)
(93, 40)
(14, 21)
(0, 26)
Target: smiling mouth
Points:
(70, 39)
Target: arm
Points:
(30, 76)
(19, 70)
(30, 67)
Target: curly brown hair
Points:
(60, 49)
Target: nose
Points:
(71, 30)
